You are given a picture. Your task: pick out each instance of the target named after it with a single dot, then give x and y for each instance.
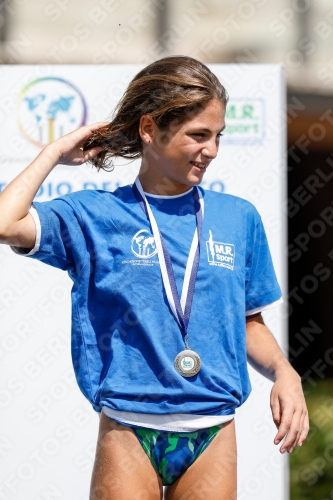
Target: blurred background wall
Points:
(295, 33)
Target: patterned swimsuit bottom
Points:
(171, 453)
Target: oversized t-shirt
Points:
(124, 335)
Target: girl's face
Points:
(176, 159)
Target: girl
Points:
(169, 283)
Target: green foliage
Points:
(311, 466)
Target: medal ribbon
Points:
(180, 308)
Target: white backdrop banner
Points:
(49, 431)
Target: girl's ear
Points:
(147, 129)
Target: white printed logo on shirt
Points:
(219, 253)
(143, 244)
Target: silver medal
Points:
(187, 362)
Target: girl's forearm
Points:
(16, 225)
(263, 352)
(16, 198)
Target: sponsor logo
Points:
(219, 253)
(49, 108)
(245, 121)
(143, 244)
(187, 363)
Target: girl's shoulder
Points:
(98, 197)
(218, 201)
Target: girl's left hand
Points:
(289, 411)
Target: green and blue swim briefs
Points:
(171, 453)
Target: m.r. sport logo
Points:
(220, 253)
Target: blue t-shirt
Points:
(124, 335)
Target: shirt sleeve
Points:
(59, 237)
(262, 289)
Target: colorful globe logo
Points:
(49, 108)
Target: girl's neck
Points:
(162, 187)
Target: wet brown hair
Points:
(171, 89)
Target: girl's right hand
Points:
(69, 147)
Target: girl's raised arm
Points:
(17, 226)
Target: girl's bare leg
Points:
(122, 470)
(213, 475)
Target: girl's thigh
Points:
(122, 470)
(213, 476)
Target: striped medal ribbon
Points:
(187, 362)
